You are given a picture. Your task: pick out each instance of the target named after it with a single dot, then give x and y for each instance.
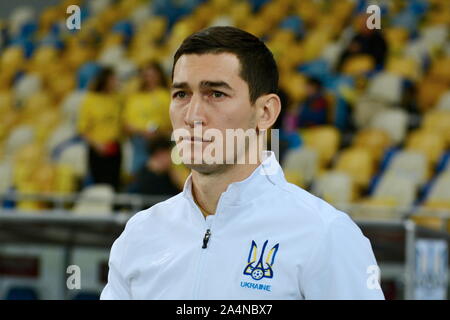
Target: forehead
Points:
(194, 68)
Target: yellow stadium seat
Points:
(45, 123)
(77, 54)
(8, 121)
(396, 38)
(315, 43)
(374, 140)
(381, 208)
(358, 163)
(358, 65)
(154, 28)
(294, 177)
(48, 17)
(6, 102)
(430, 90)
(432, 145)
(43, 57)
(404, 66)
(435, 223)
(37, 103)
(438, 121)
(65, 179)
(295, 86)
(60, 85)
(44, 178)
(440, 69)
(324, 139)
(309, 11)
(240, 12)
(12, 58)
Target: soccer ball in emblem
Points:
(257, 274)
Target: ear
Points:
(268, 109)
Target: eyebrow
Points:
(203, 84)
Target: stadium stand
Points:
(386, 140)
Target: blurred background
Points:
(85, 131)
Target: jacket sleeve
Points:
(342, 265)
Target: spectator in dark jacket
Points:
(314, 110)
(156, 177)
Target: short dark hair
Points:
(156, 66)
(258, 66)
(101, 79)
(160, 143)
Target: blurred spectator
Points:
(146, 113)
(157, 176)
(365, 41)
(314, 110)
(99, 124)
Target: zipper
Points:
(204, 250)
(206, 238)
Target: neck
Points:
(207, 188)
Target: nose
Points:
(195, 114)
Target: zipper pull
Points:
(206, 238)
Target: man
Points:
(237, 230)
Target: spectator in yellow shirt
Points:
(100, 126)
(146, 114)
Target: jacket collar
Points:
(268, 173)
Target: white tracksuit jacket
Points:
(269, 239)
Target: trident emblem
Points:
(260, 270)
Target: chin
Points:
(206, 169)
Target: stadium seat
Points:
(60, 134)
(396, 189)
(70, 106)
(26, 86)
(301, 165)
(412, 165)
(334, 186)
(12, 58)
(438, 121)
(358, 65)
(431, 144)
(396, 38)
(387, 87)
(375, 140)
(324, 140)
(440, 191)
(6, 180)
(430, 89)
(366, 108)
(75, 156)
(95, 200)
(443, 102)
(19, 137)
(440, 70)
(358, 163)
(406, 67)
(393, 121)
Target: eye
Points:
(218, 94)
(179, 94)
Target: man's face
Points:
(207, 89)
